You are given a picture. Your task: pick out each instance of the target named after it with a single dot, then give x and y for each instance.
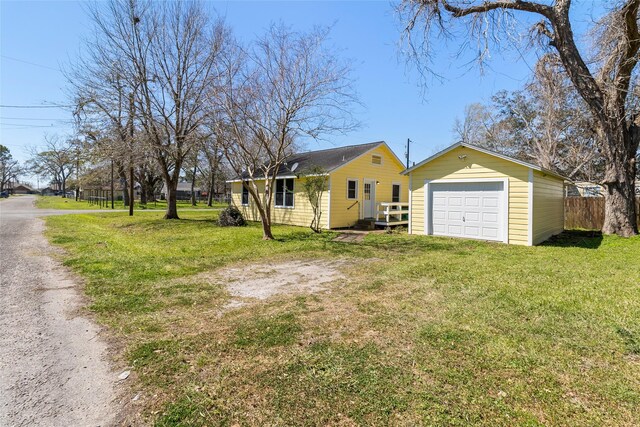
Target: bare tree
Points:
(9, 167)
(606, 87)
(57, 161)
(287, 87)
(546, 122)
(314, 185)
(213, 172)
(166, 53)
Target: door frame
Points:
(373, 197)
(428, 225)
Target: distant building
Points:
(23, 189)
(183, 191)
(590, 189)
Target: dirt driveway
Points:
(53, 364)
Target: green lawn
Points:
(425, 331)
(57, 202)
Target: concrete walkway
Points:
(54, 366)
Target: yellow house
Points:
(363, 182)
(470, 192)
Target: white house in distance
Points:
(471, 192)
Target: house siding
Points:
(548, 206)
(300, 214)
(476, 165)
(387, 174)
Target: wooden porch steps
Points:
(365, 224)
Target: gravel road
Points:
(54, 368)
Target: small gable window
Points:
(245, 196)
(352, 189)
(376, 159)
(284, 193)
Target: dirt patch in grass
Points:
(260, 281)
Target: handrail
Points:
(354, 203)
(388, 212)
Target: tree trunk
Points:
(131, 190)
(125, 190)
(266, 230)
(143, 194)
(171, 182)
(620, 175)
(212, 186)
(172, 207)
(193, 187)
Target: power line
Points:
(28, 118)
(31, 63)
(36, 106)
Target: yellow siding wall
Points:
(476, 165)
(301, 213)
(548, 206)
(387, 174)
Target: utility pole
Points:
(77, 171)
(406, 154)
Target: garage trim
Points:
(505, 200)
(530, 209)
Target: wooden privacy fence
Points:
(587, 212)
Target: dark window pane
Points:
(288, 200)
(279, 199)
(352, 189)
(395, 198)
(245, 195)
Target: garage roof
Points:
(483, 150)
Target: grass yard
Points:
(423, 330)
(57, 202)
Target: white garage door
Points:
(472, 210)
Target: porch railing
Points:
(392, 213)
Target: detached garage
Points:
(471, 192)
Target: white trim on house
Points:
(357, 181)
(372, 199)
(328, 204)
(485, 151)
(284, 194)
(399, 184)
(410, 202)
(530, 210)
(505, 201)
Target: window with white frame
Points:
(284, 193)
(245, 195)
(352, 189)
(395, 193)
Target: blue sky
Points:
(39, 38)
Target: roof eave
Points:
(485, 151)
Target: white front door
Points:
(369, 198)
(472, 210)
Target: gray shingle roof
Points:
(327, 160)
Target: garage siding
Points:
(548, 207)
(476, 165)
(301, 214)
